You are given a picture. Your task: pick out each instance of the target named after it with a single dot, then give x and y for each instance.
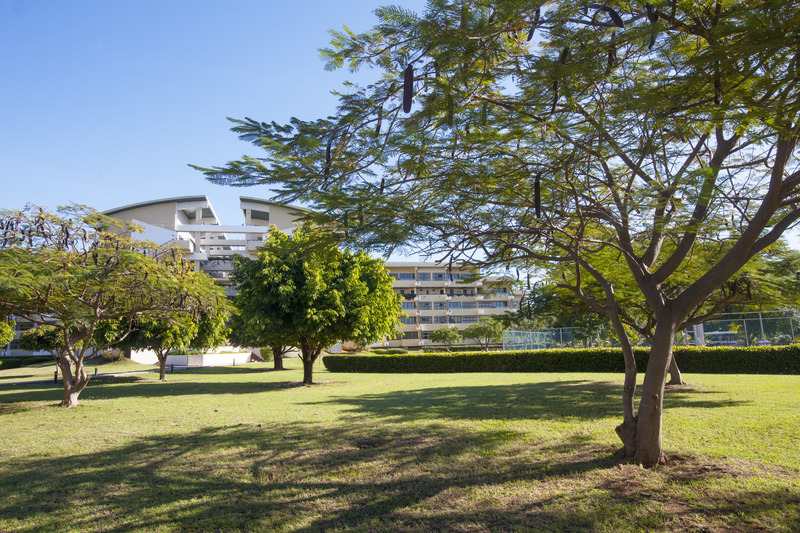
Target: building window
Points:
(440, 319)
(407, 305)
(455, 320)
(485, 305)
(440, 305)
(438, 276)
(500, 305)
(425, 320)
(408, 321)
(467, 305)
(425, 306)
(423, 276)
(469, 319)
(410, 335)
(402, 275)
(425, 334)
(454, 305)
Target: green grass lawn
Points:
(245, 448)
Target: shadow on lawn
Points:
(364, 477)
(544, 400)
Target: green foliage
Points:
(446, 336)
(112, 356)
(389, 351)
(6, 331)
(724, 360)
(485, 332)
(76, 268)
(304, 291)
(44, 338)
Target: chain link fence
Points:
(773, 328)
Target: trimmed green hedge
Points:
(722, 360)
(17, 362)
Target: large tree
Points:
(304, 291)
(76, 268)
(525, 131)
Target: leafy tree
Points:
(76, 268)
(274, 338)
(484, 332)
(631, 130)
(6, 331)
(304, 291)
(169, 333)
(446, 336)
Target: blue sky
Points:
(104, 103)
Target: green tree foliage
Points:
(304, 291)
(532, 132)
(274, 339)
(485, 332)
(76, 268)
(169, 332)
(6, 331)
(446, 336)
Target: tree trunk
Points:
(627, 430)
(308, 366)
(277, 357)
(675, 376)
(649, 448)
(162, 365)
(73, 383)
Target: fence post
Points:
(55, 376)
(172, 368)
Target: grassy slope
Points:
(244, 449)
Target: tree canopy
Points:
(304, 291)
(75, 268)
(485, 332)
(529, 132)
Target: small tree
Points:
(250, 334)
(6, 331)
(485, 332)
(446, 336)
(76, 268)
(304, 290)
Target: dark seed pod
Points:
(327, 170)
(555, 96)
(564, 56)
(537, 14)
(537, 195)
(652, 15)
(615, 18)
(530, 33)
(408, 88)
(380, 119)
(652, 41)
(383, 184)
(717, 91)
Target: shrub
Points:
(723, 360)
(17, 362)
(113, 356)
(389, 351)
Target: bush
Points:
(17, 362)
(389, 351)
(461, 348)
(723, 360)
(112, 356)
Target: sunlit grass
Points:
(247, 448)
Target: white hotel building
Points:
(432, 295)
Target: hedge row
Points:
(719, 360)
(17, 362)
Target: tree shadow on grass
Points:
(365, 477)
(543, 400)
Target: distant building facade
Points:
(432, 295)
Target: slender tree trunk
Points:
(675, 376)
(277, 357)
(73, 383)
(162, 365)
(649, 448)
(627, 430)
(308, 368)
